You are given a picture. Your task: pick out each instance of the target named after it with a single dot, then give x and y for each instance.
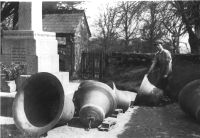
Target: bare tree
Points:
(173, 24)
(128, 12)
(160, 22)
(107, 26)
(189, 11)
(152, 28)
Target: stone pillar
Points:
(30, 16)
(30, 44)
(0, 35)
(38, 50)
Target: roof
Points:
(63, 23)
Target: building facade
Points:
(72, 33)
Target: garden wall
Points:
(185, 69)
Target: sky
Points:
(93, 9)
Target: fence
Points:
(93, 65)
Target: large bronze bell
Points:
(149, 94)
(124, 98)
(94, 101)
(40, 104)
(189, 99)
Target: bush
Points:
(12, 71)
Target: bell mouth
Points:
(39, 103)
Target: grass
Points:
(127, 78)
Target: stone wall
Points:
(185, 69)
(65, 45)
(81, 40)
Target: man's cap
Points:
(158, 42)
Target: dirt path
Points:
(161, 122)
(137, 122)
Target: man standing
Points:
(163, 60)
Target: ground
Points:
(167, 121)
(140, 122)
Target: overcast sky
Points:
(93, 8)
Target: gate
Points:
(92, 65)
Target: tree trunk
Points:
(194, 41)
(176, 45)
(194, 44)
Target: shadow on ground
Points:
(11, 131)
(159, 122)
